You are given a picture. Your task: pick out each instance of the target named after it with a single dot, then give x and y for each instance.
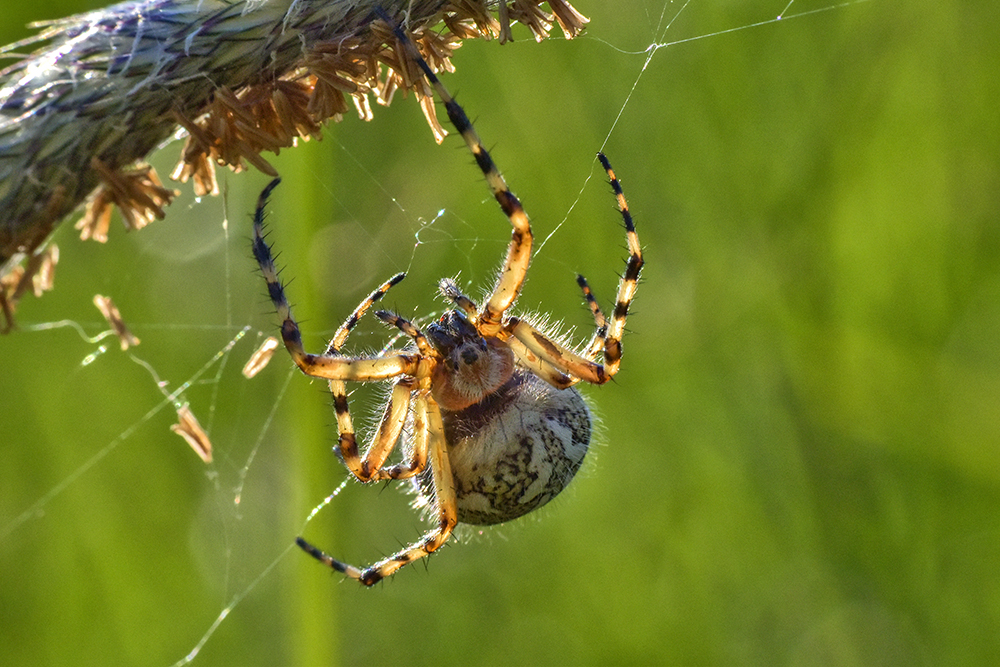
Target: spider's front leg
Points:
(515, 266)
(629, 282)
(327, 366)
(338, 368)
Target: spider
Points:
(492, 425)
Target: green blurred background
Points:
(799, 462)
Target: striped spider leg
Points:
(608, 336)
(496, 427)
(414, 378)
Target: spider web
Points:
(407, 205)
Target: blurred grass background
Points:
(799, 463)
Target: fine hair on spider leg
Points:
(482, 404)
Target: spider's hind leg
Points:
(447, 511)
(444, 493)
(328, 560)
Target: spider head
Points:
(471, 366)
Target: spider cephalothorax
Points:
(485, 402)
(471, 366)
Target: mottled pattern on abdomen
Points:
(515, 451)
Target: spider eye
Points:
(451, 332)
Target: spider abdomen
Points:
(516, 449)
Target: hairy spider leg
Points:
(429, 439)
(387, 434)
(596, 344)
(329, 367)
(428, 445)
(340, 338)
(446, 510)
(432, 541)
(392, 420)
(577, 366)
(347, 439)
(444, 491)
(395, 414)
(629, 282)
(515, 266)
